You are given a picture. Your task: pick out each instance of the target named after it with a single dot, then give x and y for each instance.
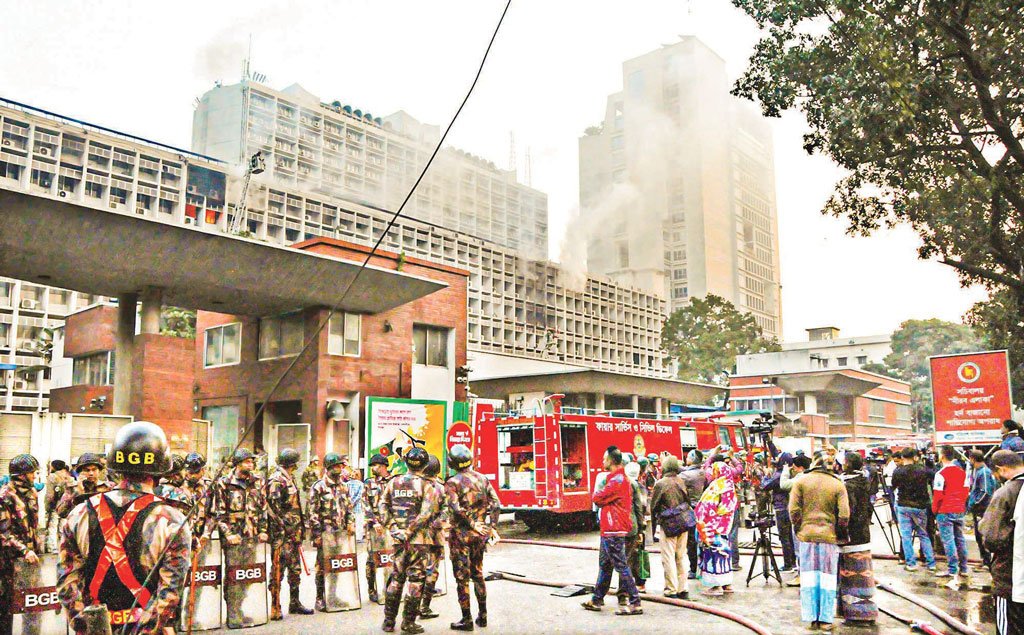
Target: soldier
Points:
(90, 468)
(238, 510)
(19, 517)
(57, 482)
(373, 488)
(330, 510)
(437, 535)
(197, 485)
(170, 487)
(474, 510)
(287, 525)
(311, 474)
(409, 505)
(112, 543)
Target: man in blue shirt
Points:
(983, 485)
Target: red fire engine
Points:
(544, 465)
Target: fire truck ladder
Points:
(540, 455)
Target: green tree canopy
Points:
(704, 338)
(922, 103)
(999, 323)
(178, 322)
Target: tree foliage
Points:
(178, 322)
(912, 344)
(923, 104)
(704, 338)
(1000, 324)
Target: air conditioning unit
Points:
(114, 205)
(7, 142)
(20, 384)
(62, 194)
(189, 220)
(140, 210)
(31, 305)
(43, 151)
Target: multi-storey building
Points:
(516, 306)
(823, 349)
(679, 179)
(333, 148)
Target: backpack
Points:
(676, 520)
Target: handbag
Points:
(645, 565)
(677, 520)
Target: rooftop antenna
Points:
(511, 150)
(245, 63)
(528, 177)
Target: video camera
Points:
(759, 519)
(763, 425)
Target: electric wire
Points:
(333, 309)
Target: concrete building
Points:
(823, 349)
(679, 180)
(336, 149)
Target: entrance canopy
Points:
(66, 245)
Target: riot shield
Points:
(384, 559)
(34, 604)
(202, 593)
(341, 572)
(245, 584)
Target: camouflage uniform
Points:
(199, 491)
(474, 514)
(19, 520)
(330, 510)
(287, 526)
(373, 490)
(408, 507)
(56, 484)
(310, 476)
(78, 493)
(238, 509)
(437, 537)
(155, 534)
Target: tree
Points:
(178, 322)
(998, 322)
(705, 337)
(922, 103)
(912, 344)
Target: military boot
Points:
(481, 618)
(275, 608)
(466, 623)
(391, 602)
(425, 612)
(409, 615)
(321, 604)
(371, 587)
(295, 606)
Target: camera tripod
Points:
(769, 567)
(888, 532)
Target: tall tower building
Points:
(677, 186)
(345, 151)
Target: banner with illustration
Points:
(395, 426)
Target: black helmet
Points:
(378, 459)
(416, 458)
(332, 459)
(177, 463)
(433, 467)
(194, 462)
(23, 464)
(58, 466)
(140, 448)
(89, 458)
(288, 457)
(241, 454)
(460, 457)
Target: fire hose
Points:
(948, 619)
(916, 626)
(686, 604)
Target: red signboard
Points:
(460, 433)
(970, 396)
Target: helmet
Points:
(177, 463)
(460, 457)
(627, 458)
(288, 458)
(314, 459)
(652, 457)
(331, 460)
(194, 462)
(642, 461)
(416, 458)
(58, 466)
(23, 464)
(378, 459)
(242, 454)
(433, 467)
(140, 448)
(89, 458)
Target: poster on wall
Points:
(970, 396)
(395, 426)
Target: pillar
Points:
(810, 404)
(634, 403)
(659, 406)
(123, 351)
(598, 401)
(152, 304)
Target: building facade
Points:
(336, 149)
(679, 179)
(824, 349)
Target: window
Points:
(904, 414)
(862, 359)
(5, 330)
(281, 336)
(877, 412)
(223, 345)
(224, 421)
(343, 334)
(430, 345)
(93, 370)
(723, 436)
(841, 361)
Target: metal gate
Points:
(15, 436)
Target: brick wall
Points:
(72, 398)
(162, 379)
(90, 331)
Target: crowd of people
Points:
(131, 524)
(823, 507)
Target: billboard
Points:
(394, 426)
(970, 396)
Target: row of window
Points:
(284, 336)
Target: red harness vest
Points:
(113, 553)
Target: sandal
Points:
(715, 592)
(630, 610)
(590, 605)
(728, 590)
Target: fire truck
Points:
(544, 464)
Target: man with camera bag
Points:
(672, 501)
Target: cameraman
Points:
(780, 502)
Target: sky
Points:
(138, 67)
